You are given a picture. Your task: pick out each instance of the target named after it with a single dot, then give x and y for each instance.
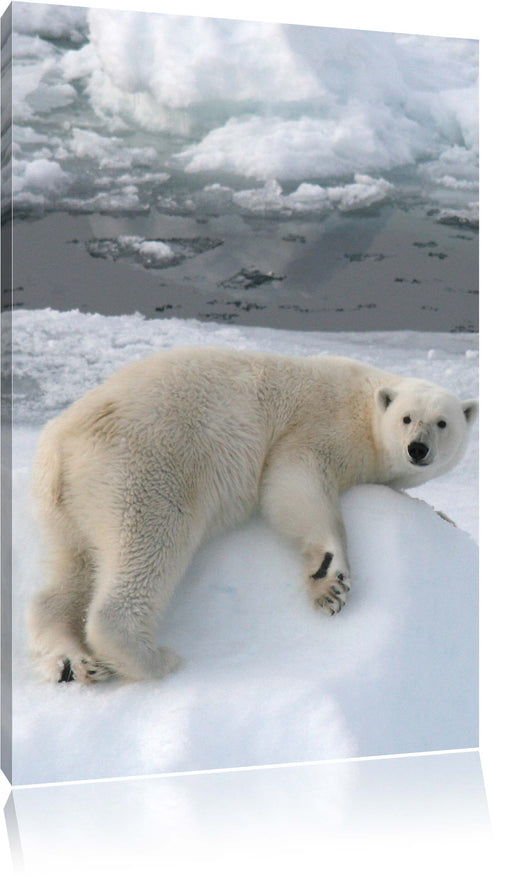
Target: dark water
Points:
(394, 268)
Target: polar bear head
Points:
(422, 429)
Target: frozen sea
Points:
(276, 175)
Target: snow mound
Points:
(267, 679)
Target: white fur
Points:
(133, 477)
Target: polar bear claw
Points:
(329, 591)
(84, 670)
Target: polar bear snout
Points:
(417, 451)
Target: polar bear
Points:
(136, 474)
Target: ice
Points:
(151, 253)
(109, 152)
(467, 217)
(153, 250)
(265, 102)
(311, 199)
(41, 175)
(263, 147)
(271, 201)
(180, 61)
(66, 22)
(78, 64)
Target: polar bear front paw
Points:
(329, 586)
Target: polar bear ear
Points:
(384, 396)
(470, 408)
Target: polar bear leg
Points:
(120, 629)
(131, 594)
(56, 618)
(302, 508)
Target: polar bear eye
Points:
(407, 419)
(441, 424)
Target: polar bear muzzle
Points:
(417, 452)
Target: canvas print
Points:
(240, 356)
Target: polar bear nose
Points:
(417, 451)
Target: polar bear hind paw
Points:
(329, 590)
(84, 670)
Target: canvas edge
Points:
(6, 390)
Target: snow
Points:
(265, 678)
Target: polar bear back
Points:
(203, 425)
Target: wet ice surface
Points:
(388, 268)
